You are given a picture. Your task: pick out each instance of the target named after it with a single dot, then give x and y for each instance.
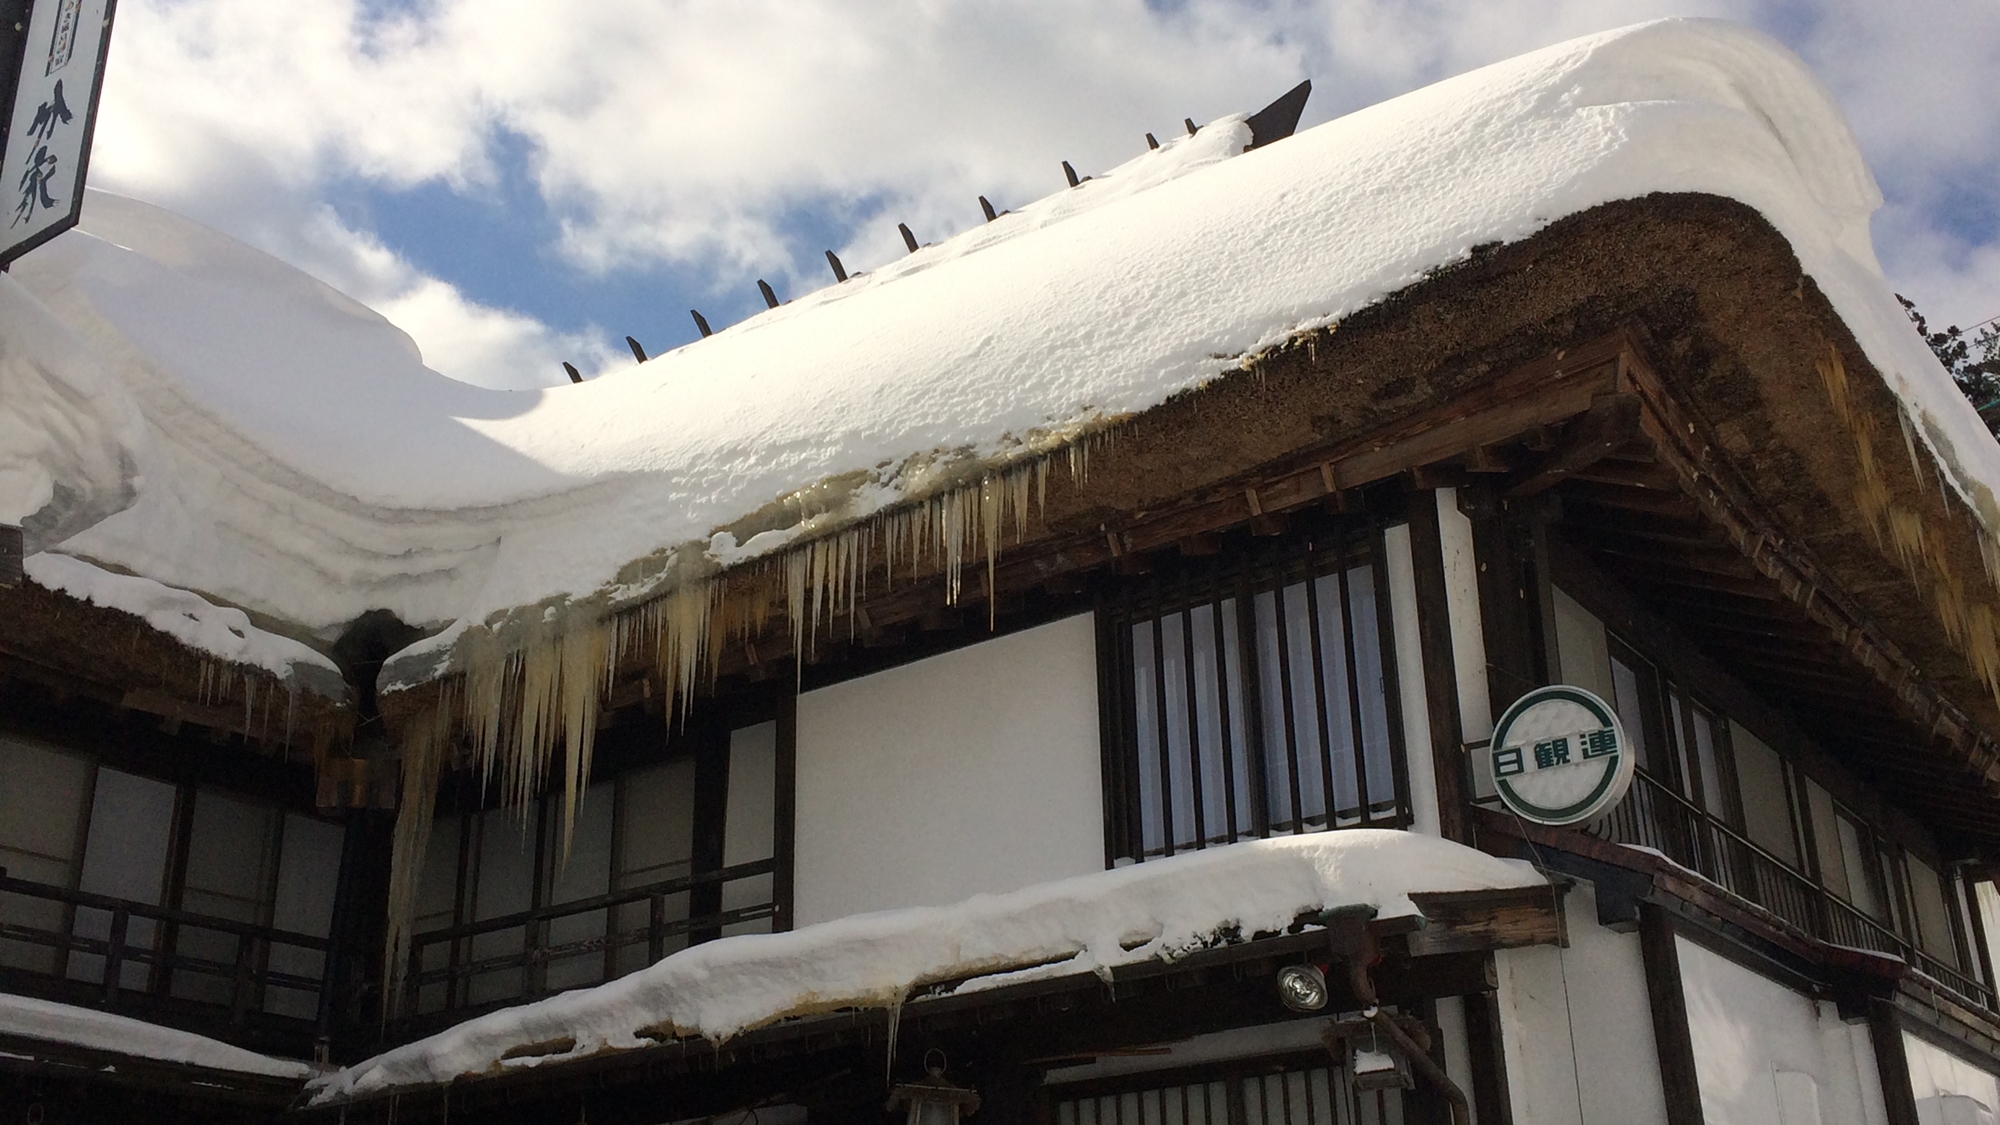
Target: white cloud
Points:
(696, 131)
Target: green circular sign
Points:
(1559, 756)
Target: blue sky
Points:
(517, 183)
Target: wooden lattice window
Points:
(1251, 694)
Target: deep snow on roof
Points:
(294, 457)
(1087, 923)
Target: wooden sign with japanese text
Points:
(59, 48)
(1559, 756)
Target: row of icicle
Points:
(516, 709)
(1968, 622)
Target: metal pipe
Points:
(1419, 1056)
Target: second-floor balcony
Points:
(1654, 817)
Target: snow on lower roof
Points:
(298, 460)
(1163, 908)
(102, 1031)
(222, 631)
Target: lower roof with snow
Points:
(1162, 909)
(180, 408)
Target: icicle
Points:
(585, 675)
(424, 750)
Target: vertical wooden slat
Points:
(1285, 700)
(1160, 732)
(1119, 748)
(1223, 683)
(1256, 754)
(1320, 704)
(1359, 754)
(1194, 726)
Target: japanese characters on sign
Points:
(1559, 756)
(48, 127)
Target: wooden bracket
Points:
(1611, 424)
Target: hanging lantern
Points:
(1373, 1061)
(935, 1100)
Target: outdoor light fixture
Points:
(1373, 1061)
(934, 1101)
(1302, 987)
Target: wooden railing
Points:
(538, 951)
(1653, 816)
(248, 972)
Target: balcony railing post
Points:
(239, 993)
(114, 954)
(656, 928)
(407, 1003)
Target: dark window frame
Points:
(1275, 577)
(1232, 1074)
(704, 736)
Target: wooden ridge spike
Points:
(1069, 174)
(839, 271)
(770, 298)
(1151, 141)
(987, 208)
(909, 240)
(701, 323)
(638, 352)
(574, 375)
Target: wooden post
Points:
(114, 954)
(1440, 671)
(1892, 1063)
(1673, 1042)
(656, 928)
(710, 734)
(784, 813)
(239, 993)
(1492, 1099)
(1507, 596)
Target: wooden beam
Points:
(1469, 921)
(1626, 474)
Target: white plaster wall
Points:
(1410, 680)
(1584, 1009)
(977, 770)
(1949, 1090)
(1766, 1055)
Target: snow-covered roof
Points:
(219, 422)
(1161, 909)
(50, 1022)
